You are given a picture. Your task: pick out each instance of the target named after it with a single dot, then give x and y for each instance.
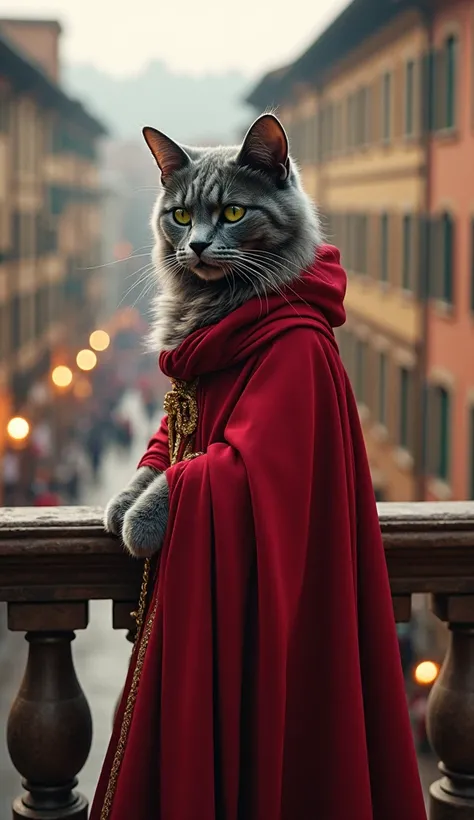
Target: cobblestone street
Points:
(100, 653)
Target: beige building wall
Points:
(357, 137)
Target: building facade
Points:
(364, 108)
(450, 366)
(50, 230)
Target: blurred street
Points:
(100, 654)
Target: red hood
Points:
(314, 300)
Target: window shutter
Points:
(448, 228)
(436, 258)
(432, 431)
(373, 246)
(376, 110)
(440, 90)
(398, 93)
(396, 249)
(415, 253)
(472, 265)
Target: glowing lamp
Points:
(426, 672)
(99, 340)
(18, 428)
(82, 389)
(61, 376)
(86, 359)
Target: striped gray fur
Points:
(268, 248)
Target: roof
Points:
(28, 76)
(359, 20)
(28, 21)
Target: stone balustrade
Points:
(53, 562)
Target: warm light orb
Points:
(18, 428)
(99, 340)
(82, 389)
(426, 672)
(86, 359)
(62, 376)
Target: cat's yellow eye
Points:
(181, 216)
(233, 213)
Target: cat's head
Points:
(231, 218)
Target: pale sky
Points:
(199, 36)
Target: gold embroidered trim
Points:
(127, 716)
(181, 406)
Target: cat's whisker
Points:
(116, 261)
(249, 276)
(278, 258)
(286, 284)
(136, 284)
(263, 273)
(252, 284)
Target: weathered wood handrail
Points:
(52, 562)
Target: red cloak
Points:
(271, 687)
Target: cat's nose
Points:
(199, 247)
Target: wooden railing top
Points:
(63, 553)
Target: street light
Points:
(61, 376)
(426, 672)
(99, 340)
(82, 389)
(18, 428)
(86, 359)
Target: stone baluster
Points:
(451, 714)
(49, 732)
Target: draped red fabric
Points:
(272, 686)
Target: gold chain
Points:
(127, 717)
(140, 611)
(181, 406)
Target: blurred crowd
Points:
(66, 447)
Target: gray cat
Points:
(229, 224)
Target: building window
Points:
(439, 425)
(430, 92)
(384, 247)
(447, 233)
(4, 113)
(407, 252)
(406, 389)
(349, 245)
(444, 415)
(382, 390)
(360, 371)
(472, 264)
(410, 98)
(386, 106)
(15, 323)
(350, 122)
(3, 332)
(360, 243)
(451, 79)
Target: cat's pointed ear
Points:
(265, 147)
(169, 156)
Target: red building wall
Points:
(451, 329)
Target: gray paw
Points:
(145, 522)
(116, 509)
(118, 505)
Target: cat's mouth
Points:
(210, 273)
